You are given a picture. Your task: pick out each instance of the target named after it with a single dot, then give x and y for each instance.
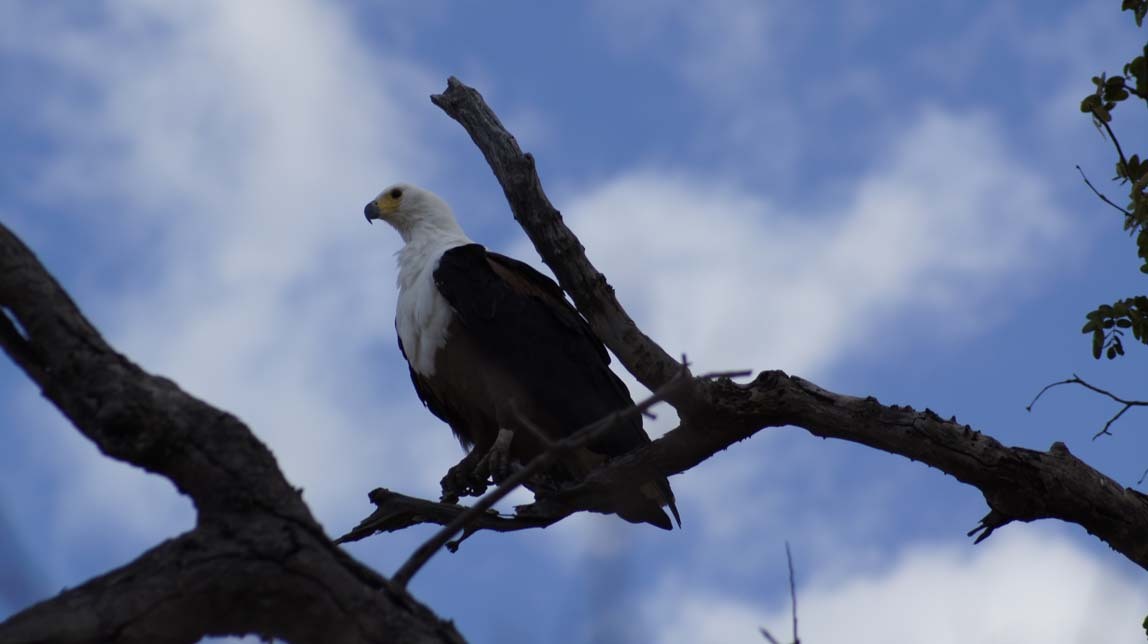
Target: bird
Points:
(496, 351)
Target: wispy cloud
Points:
(712, 49)
(946, 225)
(245, 138)
(1002, 591)
(727, 277)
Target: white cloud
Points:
(943, 226)
(714, 49)
(243, 142)
(1016, 587)
(245, 139)
(946, 218)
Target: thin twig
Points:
(1046, 388)
(1076, 380)
(395, 511)
(557, 245)
(766, 634)
(792, 592)
(424, 552)
(1101, 195)
(1115, 142)
(792, 602)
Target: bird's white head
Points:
(414, 212)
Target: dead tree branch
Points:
(792, 602)
(557, 245)
(257, 561)
(1076, 380)
(579, 438)
(1018, 484)
(397, 511)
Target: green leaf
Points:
(1097, 344)
(1111, 352)
(1136, 70)
(1124, 324)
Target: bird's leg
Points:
(463, 479)
(497, 459)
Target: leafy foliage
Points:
(1108, 322)
(1138, 7)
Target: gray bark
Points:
(1018, 484)
(257, 561)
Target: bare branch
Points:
(257, 562)
(792, 592)
(579, 438)
(129, 414)
(767, 635)
(792, 602)
(555, 243)
(1076, 380)
(250, 578)
(1018, 484)
(1115, 142)
(394, 512)
(1101, 195)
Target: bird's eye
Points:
(396, 193)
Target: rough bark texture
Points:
(257, 562)
(557, 245)
(1018, 484)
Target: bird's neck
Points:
(424, 245)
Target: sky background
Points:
(880, 197)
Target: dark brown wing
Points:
(437, 406)
(524, 323)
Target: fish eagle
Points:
(497, 352)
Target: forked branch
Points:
(1018, 484)
(1076, 380)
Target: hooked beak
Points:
(372, 212)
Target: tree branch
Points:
(1100, 194)
(1115, 142)
(555, 243)
(1018, 484)
(257, 562)
(395, 511)
(398, 511)
(579, 438)
(1076, 380)
(255, 578)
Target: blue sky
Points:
(877, 196)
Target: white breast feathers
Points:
(422, 314)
